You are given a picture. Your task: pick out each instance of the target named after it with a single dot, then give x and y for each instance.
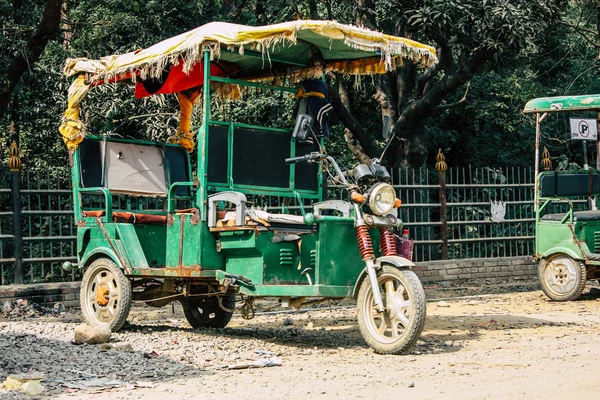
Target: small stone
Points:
(59, 308)
(310, 325)
(92, 334)
(288, 321)
(32, 388)
(105, 346)
(411, 385)
(123, 347)
(443, 304)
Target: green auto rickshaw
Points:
(567, 220)
(151, 228)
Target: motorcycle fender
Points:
(396, 261)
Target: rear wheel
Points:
(205, 312)
(397, 329)
(105, 294)
(562, 278)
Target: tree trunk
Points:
(314, 12)
(414, 151)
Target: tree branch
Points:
(462, 100)
(46, 30)
(582, 32)
(405, 83)
(338, 96)
(389, 110)
(355, 147)
(426, 106)
(446, 63)
(314, 12)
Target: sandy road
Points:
(517, 345)
(505, 346)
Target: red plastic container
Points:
(404, 247)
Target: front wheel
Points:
(397, 329)
(562, 278)
(105, 294)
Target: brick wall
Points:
(477, 268)
(46, 294)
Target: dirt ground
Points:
(518, 345)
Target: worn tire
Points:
(105, 294)
(205, 312)
(405, 305)
(562, 278)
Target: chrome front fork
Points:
(365, 247)
(372, 271)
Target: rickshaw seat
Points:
(570, 184)
(130, 218)
(593, 215)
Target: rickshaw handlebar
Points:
(305, 158)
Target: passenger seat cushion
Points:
(593, 215)
(130, 218)
(570, 184)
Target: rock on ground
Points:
(98, 334)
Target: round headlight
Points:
(381, 199)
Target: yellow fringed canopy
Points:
(298, 48)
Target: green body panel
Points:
(297, 291)
(253, 254)
(153, 240)
(338, 256)
(129, 246)
(555, 237)
(330, 252)
(564, 103)
(210, 257)
(183, 241)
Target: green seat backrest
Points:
(170, 163)
(570, 184)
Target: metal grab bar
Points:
(170, 196)
(107, 201)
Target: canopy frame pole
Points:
(538, 133)
(203, 139)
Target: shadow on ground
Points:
(68, 367)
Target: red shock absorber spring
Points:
(388, 244)
(365, 246)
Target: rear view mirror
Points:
(302, 128)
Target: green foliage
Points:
(487, 129)
(498, 25)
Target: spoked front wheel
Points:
(395, 330)
(105, 294)
(562, 278)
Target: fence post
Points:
(14, 165)
(441, 168)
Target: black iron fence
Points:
(473, 196)
(489, 213)
(48, 229)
